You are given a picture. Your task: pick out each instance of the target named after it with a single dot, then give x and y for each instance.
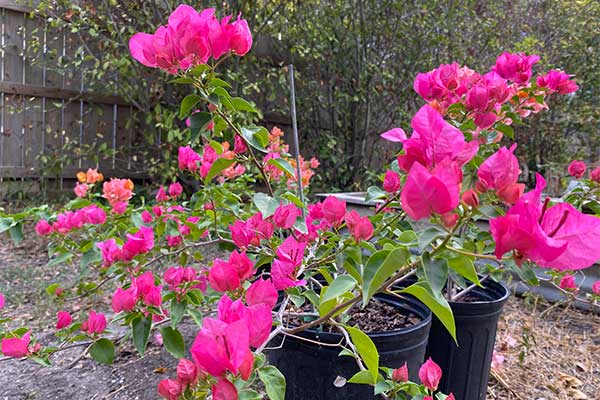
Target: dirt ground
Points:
(548, 355)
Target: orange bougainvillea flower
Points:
(81, 177)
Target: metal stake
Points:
(295, 131)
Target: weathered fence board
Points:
(47, 117)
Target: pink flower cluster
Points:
(433, 157)
(96, 323)
(70, 220)
(174, 191)
(229, 275)
(180, 279)
(189, 39)
(500, 172)
(483, 95)
(224, 343)
(188, 374)
(558, 237)
(138, 243)
(19, 347)
(252, 231)
(284, 269)
(191, 161)
(142, 289)
(118, 192)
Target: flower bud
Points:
(430, 374)
(63, 319)
(170, 389)
(400, 374)
(187, 372)
(471, 198)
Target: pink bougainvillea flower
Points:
(558, 237)
(580, 231)
(391, 181)
(557, 82)
(434, 140)
(224, 390)
(81, 190)
(111, 252)
(223, 276)
(501, 173)
(520, 229)
(478, 98)
(16, 347)
(96, 323)
(262, 291)
(334, 210)
(161, 195)
(123, 300)
(577, 169)
(1, 301)
(170, 389)
(175, 189)
(93, 214)
(43, 228)
(63, 319)
(596, 288)
(515, 67)
(361, 228)
(117, 190)
(146, 217)
(188, 159)
(400, 374)
(139, 243)
(567, 282)
(251, 232)
(426, 192)
(187, 372)
(285, 216)
(220, 347)
(396, 135)
(292, 251)
(430, 374)
(595, 175)
(258, 318)
(240, 38)
(470, 198)
(242, 264)
(283, 274)
(497, 361)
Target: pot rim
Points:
(485, 289)
(423, 323)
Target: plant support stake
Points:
(295, 131)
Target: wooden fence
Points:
(46, 114)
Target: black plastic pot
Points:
(466, 367)
(311, 369)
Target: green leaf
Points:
(340, 285)
(219, 165)
(437, 304)
(256, 137)
(366, 350)
(141, 331)
(294, 199)
(16, 233)
(429, 235)
(249, 395)
(219, 83)
(198, 122)
(51, 289)
(465, 267)
(265, 204)
(90, 257)
(282, 165)
(61, 258)
(362, 377)
(188, 103)
(173, 341)
(103, 351)
(506, 130)
(274, 382)
(177, 311)
(181, 80)
(436, 272)
(6, 223)
(375, 193)
(242, 105)
(381, 266)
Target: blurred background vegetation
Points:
(356, 61)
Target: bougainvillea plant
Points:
(284, 256)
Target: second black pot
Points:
(311, 369)
(466, 367)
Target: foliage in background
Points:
(355, 61)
